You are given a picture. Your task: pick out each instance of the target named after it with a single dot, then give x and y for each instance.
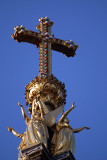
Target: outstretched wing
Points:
(51, 116)
(57, 111)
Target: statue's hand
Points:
(10, 129)
(86, 128)
(20, 105)
(73, 105)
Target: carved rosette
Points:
(50, 90)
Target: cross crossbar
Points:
(46, 42)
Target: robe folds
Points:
(63, 140)
(36, 132)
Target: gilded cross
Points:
(46, 42)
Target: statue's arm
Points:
(27, 119)
(15, 133)
(41, 108)
(37, 109)
(80, 129)
(66, 113)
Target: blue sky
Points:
(85, 75)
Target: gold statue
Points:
(63, 138)
(37, 128)
(42, 118)
(36, 131)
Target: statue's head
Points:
(51, 91)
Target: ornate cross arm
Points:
(22, 34)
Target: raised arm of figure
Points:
(66, 113)
(80, 129)
(40, 103)
(27, 119)
(15, 133)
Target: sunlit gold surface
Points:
(46, 95)
(48, 90)
(37, 131)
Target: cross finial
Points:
(46, 42)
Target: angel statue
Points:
(36, 131)
(63, 138)
(37, 125)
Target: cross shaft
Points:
(46, 42)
